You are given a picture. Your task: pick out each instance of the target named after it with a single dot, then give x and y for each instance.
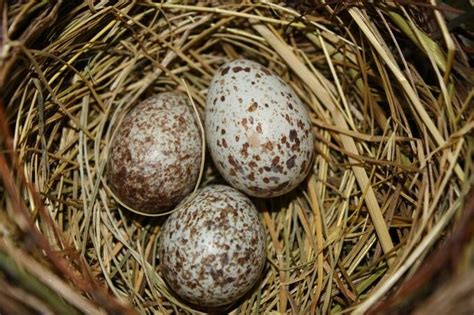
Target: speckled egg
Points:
(155, 155)
(258, 131)
(212, 250)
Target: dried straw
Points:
(394, 140)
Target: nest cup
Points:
(389, 94)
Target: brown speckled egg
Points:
(155, 155)
(258, 131)
(212, 251)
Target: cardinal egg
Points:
(155, 155)
(212, 250)
(258, 131)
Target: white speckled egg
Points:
(212, 250)
(155, 155)
(258, 131)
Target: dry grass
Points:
(394, 136)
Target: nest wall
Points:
(392, 115)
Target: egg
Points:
(155, 155)
(212, 250)
(257, 129)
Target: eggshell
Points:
(155, 155)
(258, 131)
(212, 250)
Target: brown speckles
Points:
(232, 161)
(225, 70)
(127, 156)
(293, 135)
(275, 160)
(290, 163)
(224, 143)
(222, 98)
(242, 260)
(244, 122)
(224, 257)
(259, 128)
(209, 259)
(300, 124)
(266, 180)
(252, 107)
(254, 241)
(216, 275)
(244, 150)
(222, 131)
(269, 145)
(237, 69)
(295, 147)
(229, 280)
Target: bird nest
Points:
(390, 98)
